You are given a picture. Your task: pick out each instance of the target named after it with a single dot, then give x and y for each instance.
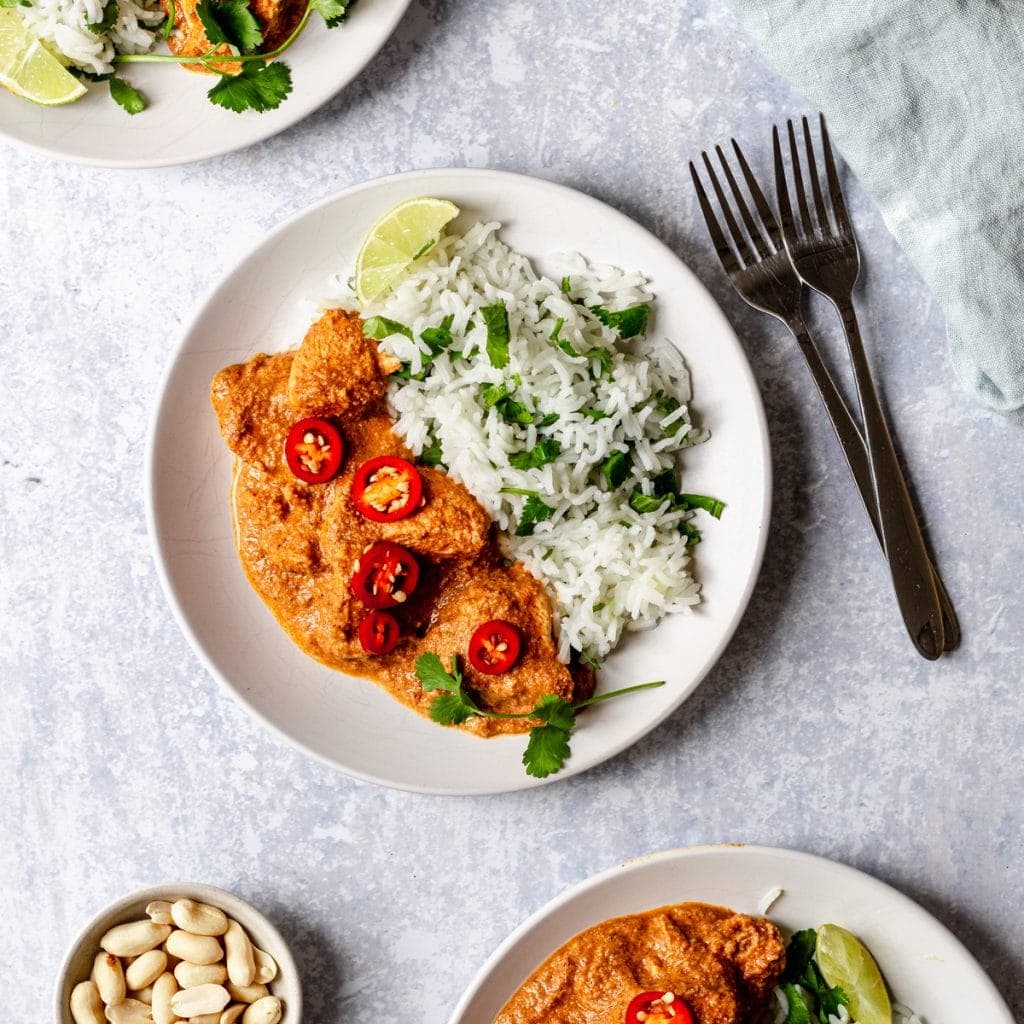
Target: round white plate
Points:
(264, 305)
(180, 124)
(926, 967)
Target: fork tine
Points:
(767, 217)
(782, 190)
(752, 229)
(834, 189)
(798, 182)
(812, 173)
(722, 247)
(734, 229)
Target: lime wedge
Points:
(28, 69)
(404, 234)
(845, 962)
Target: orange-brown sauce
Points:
(298, 542)
(723, 964)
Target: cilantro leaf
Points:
(334, 12)
(563, 343)
(546, 752)
(710, 505)
(125, 96)
(643, 503)
(450, 709)
(555, 711)
(799, 954)
(380, 327)
(534, 511)
(211, 23)
(496, 321)
(257, 86)
(594, 414)
(566, 285)
(438, 338)
(604, 359)
(798, 1009)
(690, 532)
(433, 675)
(627, 322)
(615, 469)
(106, 23)
(540, 455)
(432, 454)
(239, 24)
(666, 405)
(519, 490)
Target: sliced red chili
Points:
(387, 488)
(658, 1008)
(379, 633)
(494, 647)
(313, 450)
(385, 575)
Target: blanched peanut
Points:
(109, 978)
(86, 1005)
(159, 911)
(240, 960)
(163, 989)
(232, 1013)
(205, 1018)
(189, 975)
(199, 918)
(266, 966)
(131, 1011)
(134, 938)
(247, 993)
(143, 971)
(194, 1002)
(196, 949)
(145, 995)
(264, 1011)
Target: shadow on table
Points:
(319, 960)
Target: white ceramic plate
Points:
(926, 967)
(180, 124)
(264, 304)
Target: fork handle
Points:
(901, 535)
(852, 443)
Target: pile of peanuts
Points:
(187, 961)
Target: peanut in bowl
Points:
(179, 952)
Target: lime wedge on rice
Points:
(28, 69)
(404, 234)
(845, 962)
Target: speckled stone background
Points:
(123, 763)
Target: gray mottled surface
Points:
(122, 762)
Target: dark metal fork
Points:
(764, 276)
(825, 254)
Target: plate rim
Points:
(178, 352)
(348, 74)
(726, 849)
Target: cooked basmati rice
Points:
(607, 567)
(61, 25)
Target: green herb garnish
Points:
(563, 343)
(105, 24)
(380, 327)
(615, 469)
(534, 511)
(643, 503)
(230, 23)
(540, 455)
(432, 454)
(815, 1001)
(125, 96)
(496, 321)
(627, 322)
(710, 505)
(604, 359)
(547, 749)
(666, 405)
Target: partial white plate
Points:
(926, 967)
(181, 125)
(264, 305)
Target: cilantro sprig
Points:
(810, 999)
(235, 36)
(548, 747)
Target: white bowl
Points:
(78, 961)
(925, 966)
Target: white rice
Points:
(60, 24)
(900, 1014)
(607, 568)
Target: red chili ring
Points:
(385, 575)
(379, 633)
(387, 488)
(495, 647)
(657, 1012)
(313, 450)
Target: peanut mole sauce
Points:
(298, 542)
(723, 964)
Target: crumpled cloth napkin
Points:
(925, 98)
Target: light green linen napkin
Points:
(925, 98)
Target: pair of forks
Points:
(770, 266)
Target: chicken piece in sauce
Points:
(299, 543)
(724, 965)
